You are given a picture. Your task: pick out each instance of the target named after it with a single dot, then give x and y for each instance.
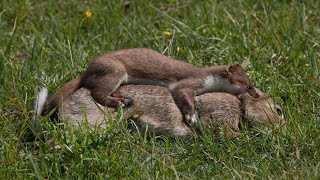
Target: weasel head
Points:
(240, 81)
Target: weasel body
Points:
(145, 66)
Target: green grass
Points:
(51, 42)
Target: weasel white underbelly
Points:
(218, 84)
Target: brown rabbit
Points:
(154, 108)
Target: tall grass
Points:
(48, 43)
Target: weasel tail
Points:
(40, 100)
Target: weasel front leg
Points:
(184, 99)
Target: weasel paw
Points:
(191, 119)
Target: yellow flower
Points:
(88, 14)
(166, 33)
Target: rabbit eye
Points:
(279, 111)
(249, 87)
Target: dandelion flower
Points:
(167, 33)
(88, 14)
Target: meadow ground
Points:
(51, 42)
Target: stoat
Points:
(145, 66)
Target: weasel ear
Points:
(234, 68)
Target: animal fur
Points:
(154, 109)
(144, 66)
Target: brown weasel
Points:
(145, 66)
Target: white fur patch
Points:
(219, 84)
(215, 84)
(38, 107)
(192, 120)
(40, 100)
(172, 86)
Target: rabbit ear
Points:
(234, 68)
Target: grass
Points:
(50, 42)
